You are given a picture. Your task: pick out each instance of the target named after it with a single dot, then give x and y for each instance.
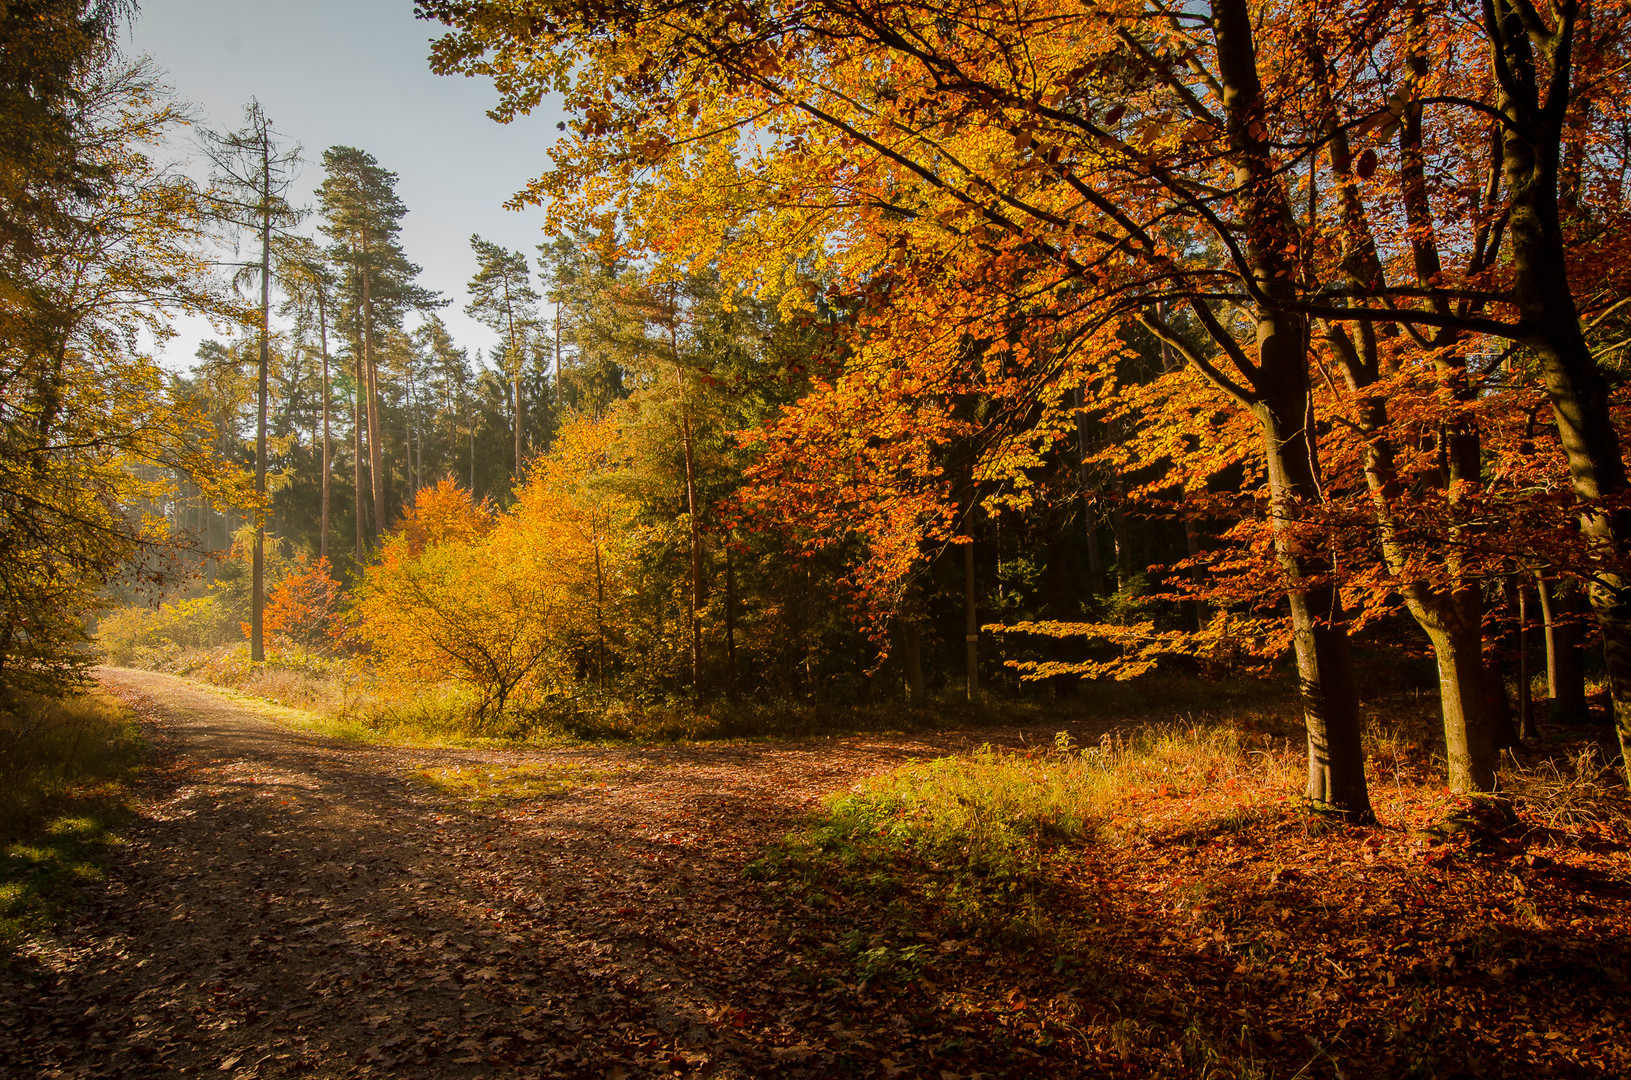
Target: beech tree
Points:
(931, 115)
(1084, 167)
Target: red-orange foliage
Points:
(304, 608)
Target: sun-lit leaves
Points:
(502, 602)
(304, 607)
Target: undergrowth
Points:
(1164, 903)
(979, 829)
(65, 774)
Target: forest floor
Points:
(288, 905)
(296, 906)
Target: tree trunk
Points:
(971, 616)
(696, 554)
(1095, 562)
(257, 602)
(376, 451)
(731, 688)
(1192, 540)
(911, 656)
(1526, 694)
(1118, 529)
(1449, 612)
(1461, 693)
(1503, 735)
(1565, 659)
(356, 455)
(515, 388)
(600, 618)
(1336, 762)
(328, 453)
(1330, 695)
(1575, 385)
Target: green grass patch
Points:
(65, 774)
(967, 842)
(500, 784)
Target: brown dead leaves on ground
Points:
(1219, 931)
(289, 906)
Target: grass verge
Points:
(1164, 905)
(498, 785)
(65, 773)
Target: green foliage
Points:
(971, 836)
(99, 246)
(65, 767)
(158, 638)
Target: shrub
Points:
(304, 607)
(147, 637)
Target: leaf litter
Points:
(291, 906)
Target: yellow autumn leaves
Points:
(514, 605)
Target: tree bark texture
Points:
(1336, 762)
(257, 602)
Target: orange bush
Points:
(304, 608)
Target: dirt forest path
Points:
(294, 906)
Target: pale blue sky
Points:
(353, 72)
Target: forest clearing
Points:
(288, 905)
(820, 538)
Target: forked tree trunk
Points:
(1325, 674)
(1534, 72)
(1451, 613)
(1336, 761)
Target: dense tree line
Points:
(1374, 241)
(866, 374)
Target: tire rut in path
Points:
(289, 905)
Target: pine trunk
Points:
(376, 452)
(257, 603)
(328, 453)
(356, 458)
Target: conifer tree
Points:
(502, 297)
(363, 216)
(251, 175)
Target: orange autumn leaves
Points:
(507, 603)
